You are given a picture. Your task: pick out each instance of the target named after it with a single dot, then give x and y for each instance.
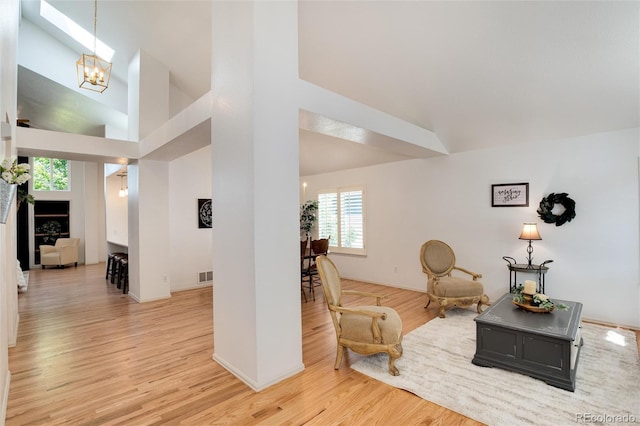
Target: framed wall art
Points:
(205, 213)
(510, 195)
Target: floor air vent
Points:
(205, 277)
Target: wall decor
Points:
(205, 213)
(545, 210)
(510, 195)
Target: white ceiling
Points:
(479, 74)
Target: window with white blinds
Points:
(341, 218)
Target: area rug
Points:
(23, 281)
(436, 366)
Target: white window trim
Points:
(333, 248)
(41, 191)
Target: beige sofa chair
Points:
(363, 329)
(65, 252)
(438, 260)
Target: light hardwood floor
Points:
(88, 355)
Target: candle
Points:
(529, 287)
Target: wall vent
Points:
(205, 277)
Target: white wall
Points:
(117, 222)
(46, 56)
(191, 247)
(448, 198)
(9, 12)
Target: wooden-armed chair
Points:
(364, 329)
(438, 260)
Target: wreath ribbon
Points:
(547, 204)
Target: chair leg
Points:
(313, 293)
(428, 303)
(125, 284)
(109, 262)
(442, 311)
(339, 355)
(484, 300)
(394, 353)
(114, 269)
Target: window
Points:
(341, 217)
(50, 174)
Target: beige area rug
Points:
(436, 366)
(23, 281)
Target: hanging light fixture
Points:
(123, 191)
(94, 72)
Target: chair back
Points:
(62, 242)
(330, 278)
(320, 246)
(437, 258)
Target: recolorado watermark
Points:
(585, 418)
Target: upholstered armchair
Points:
(64, 252)
(364, 329)
(438, 261)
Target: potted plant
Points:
(308, 217)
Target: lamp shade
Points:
(530, 232)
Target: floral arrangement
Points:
(14, 173)
(537, 299)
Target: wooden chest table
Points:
(541, 345)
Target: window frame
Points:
(51, 187)
(335, 243)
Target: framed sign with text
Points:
(510, 195)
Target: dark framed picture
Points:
(205, 213)
(510, 195)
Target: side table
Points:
(514, 268)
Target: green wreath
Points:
(547, 204)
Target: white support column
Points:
(148, 181)
(149, 242)
(255, 197)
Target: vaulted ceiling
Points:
(479, 74)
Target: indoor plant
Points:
(308, 216)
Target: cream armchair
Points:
(65, 252)
(438, 260)
(363, 329)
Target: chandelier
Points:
(94, 72)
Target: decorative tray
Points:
(532, 308)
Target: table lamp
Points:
(530, 232)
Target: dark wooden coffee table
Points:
(541, 345)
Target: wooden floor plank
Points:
(88, 355)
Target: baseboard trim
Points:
(5, 399)
(608, 324)
(152, 299)
(251, 383)
(13, 339)
(386, 284)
